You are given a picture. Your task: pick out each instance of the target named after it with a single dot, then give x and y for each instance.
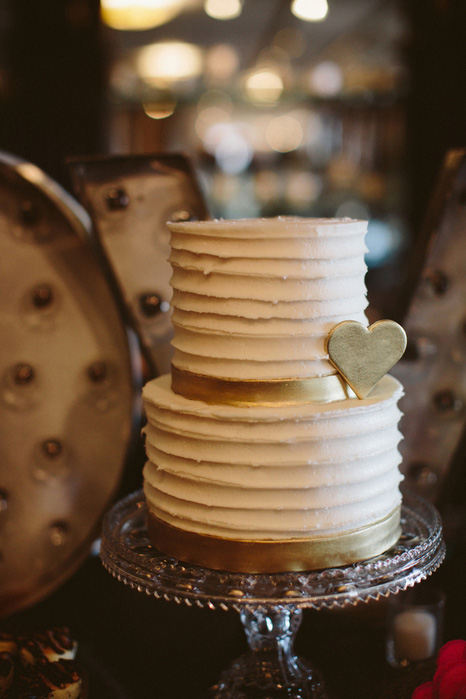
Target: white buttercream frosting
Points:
(255, 299)
(272, 473)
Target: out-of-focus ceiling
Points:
(366, 29)
(253, 30)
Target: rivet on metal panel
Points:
(19, 386)
(51, 461)
(151, 304)
(438, 281)
(116, 199)
(23, 374)
(58, 533)
(182, 215)
(52, 448)
(42, 296)
(4, 497)
(29, 213)
(422, 474)
(446, 401)
(97, 372)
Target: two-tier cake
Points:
(260, 456)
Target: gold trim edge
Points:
(212, 390)
(275, 556)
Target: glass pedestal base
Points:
(270, 668)
(270, 605)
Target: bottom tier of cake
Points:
(275, 556)
(263, 489)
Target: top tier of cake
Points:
(255, 299)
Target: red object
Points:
(449, 680)
(452, 651)
(424, 691)
(450, 677)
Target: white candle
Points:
(414, 634)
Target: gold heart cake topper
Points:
(363, 355)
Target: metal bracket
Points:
(433, 371)
(69, 387)
(130, 198)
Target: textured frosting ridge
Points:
(253, 303)
(261, 473)
(255, 299)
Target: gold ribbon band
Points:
(275, 556)
(322, 389)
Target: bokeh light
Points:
(223, 9)
(302, 188)
(310, 10)
(234, 153)
(137, 15)
(264, 86)
(326, 79)
(160, 109)
(168, 62)
(284, 133)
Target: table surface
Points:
(133, 646)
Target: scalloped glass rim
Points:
(129, 556)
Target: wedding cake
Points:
(261, 458)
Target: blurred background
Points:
(307, 107)
(283, 107)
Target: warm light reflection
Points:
(310, 10)
(167, 62)
(159, 110)
(139, 14)
(264, 86)
(223, 9)
(284, 134)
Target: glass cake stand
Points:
(270, 605)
